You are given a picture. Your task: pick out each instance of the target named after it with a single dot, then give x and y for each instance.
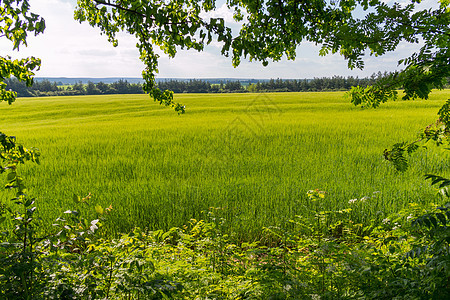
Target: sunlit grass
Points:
(254, 155)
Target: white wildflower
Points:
(386, 221)
(351, 201)
(409, 217)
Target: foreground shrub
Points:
(329, 256)
(405, 258)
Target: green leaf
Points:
(11, 176)
(99, 209)
(29, 202)
(76, 198)
(442, 218)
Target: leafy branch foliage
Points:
(16, 20)
(273, 29)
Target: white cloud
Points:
(221, 12)
(70, 49)
(424, 4)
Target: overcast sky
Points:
(70, 49)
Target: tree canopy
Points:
(274, 28)
(269, 31)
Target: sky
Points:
(70, 49)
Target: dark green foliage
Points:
(381, 31)
(397, 155)
(435, 179)
(444, 114)
(433, 232)
(17, 246)
(370, 96)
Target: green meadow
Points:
(253, 155)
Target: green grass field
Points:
(254, 155)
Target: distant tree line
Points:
(201, 86)
(335, 83)
(46, 88)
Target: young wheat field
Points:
(253, 155)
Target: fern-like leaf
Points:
(397, 157)
(438, 180)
